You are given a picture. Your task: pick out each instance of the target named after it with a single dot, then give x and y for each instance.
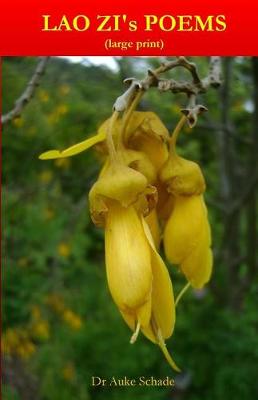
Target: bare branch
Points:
(190, 88)
(28, 93)
(214, 77)
(179, 62)
(198, 85)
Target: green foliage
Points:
(53, 251)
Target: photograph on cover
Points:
(129, 198)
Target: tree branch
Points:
(198, 85)
(214, 77)
(191, 88)
(28, 93)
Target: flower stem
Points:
(164, 350)
(160, 341)
(127, 115)
(182, 292)
(110, 143)
(175, 134)
(136, 333)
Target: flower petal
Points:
(182, 177)
(119, 183)
(165, 203)
(182, 231)
(75, 149)
(197, 267)
(154, 148)
(147, 122)
(187, 239)
(163, 306)
(153, 223)
(141, 315)
(140, 162)
(128, 262)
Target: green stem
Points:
(182, 292)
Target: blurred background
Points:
(60, 325)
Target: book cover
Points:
(129, 200)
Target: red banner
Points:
(146, 27)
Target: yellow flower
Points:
(144, 133)
(26, 349)
(119, 183)
(64, 249)
(128, 263)
(72, 319)
(16, 342)
(163, 309)
(187, 237)
(119, 201)
(137, 277)
(9, 340)
(182, 177)
(40, 330)
(138, 168)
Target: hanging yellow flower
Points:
(143, 188)
(137, 277)
(128, 263)
(187, 237)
